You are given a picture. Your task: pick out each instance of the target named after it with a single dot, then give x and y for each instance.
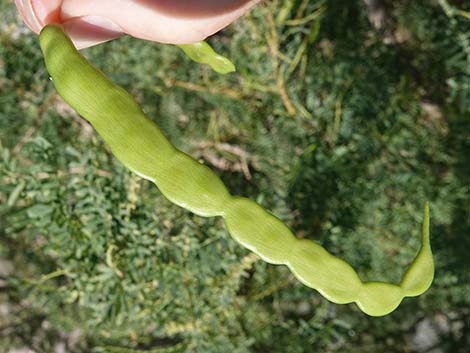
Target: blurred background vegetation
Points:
(343, 118)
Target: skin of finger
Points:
(28, 16)
(84, 31)
(91, 30)
(38, 13)
(156, 23)
(162, 21)
(142, 147)
(47, 11)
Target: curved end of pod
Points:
(420, 274)
(379, 299)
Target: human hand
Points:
(90, 22)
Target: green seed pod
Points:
(375, 298)
(258, 230)
(140, 145)
(337, 281)
(192, 185)
(203, 53)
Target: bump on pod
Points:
(270, 238)
(140, 145)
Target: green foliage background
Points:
(343, 118)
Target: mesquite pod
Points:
(141, 146)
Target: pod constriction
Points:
(140, 145)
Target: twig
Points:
(451, 11)
(273, 42)
(301, 21)
(32, 129)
